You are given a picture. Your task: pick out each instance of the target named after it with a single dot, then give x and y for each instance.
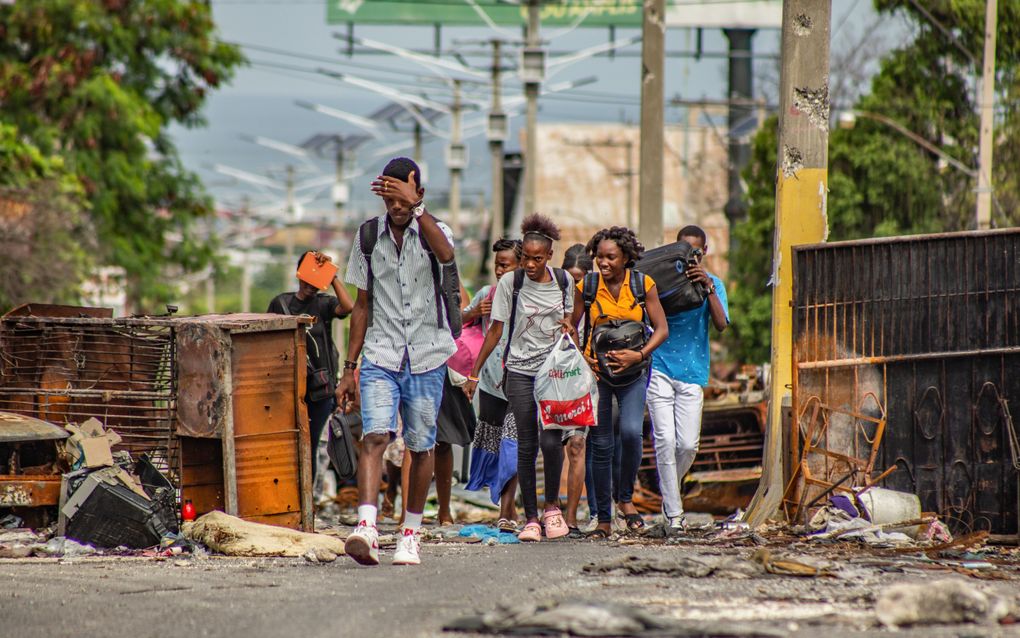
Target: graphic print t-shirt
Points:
(540, 310)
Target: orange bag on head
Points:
(312, 272)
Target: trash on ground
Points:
(687, 566)
(942, 602)
(319, 555)
(233, 536)
(786, 566)
(485, 533)
(592, 619)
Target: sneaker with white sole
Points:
(408, 546)
(363, 544)
(676, 526)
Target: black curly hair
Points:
(539, 227)
(577, 257)
(625, 238)
(503, 243)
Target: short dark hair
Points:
(503, 243)
(625, 238)
(302, 258)
(577, 257)
(401, 167)
(539, 227)
(692, 231)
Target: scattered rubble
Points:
(943, 602)
(593, 619)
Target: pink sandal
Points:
(555, 527)
(531, 533)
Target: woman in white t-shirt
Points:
(544, 302)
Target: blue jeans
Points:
(416, 396)
(631, 400)
(589, 478)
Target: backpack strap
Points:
(589, 290)
(563, 278)
(368, 236)
(637, 289)
(518, 284)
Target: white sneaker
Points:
(676, 526)
(363, 544)
(407, 549)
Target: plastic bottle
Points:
(187, 511)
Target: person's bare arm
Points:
(346, 305)
(697, 274)
(406, 193)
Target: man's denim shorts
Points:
(416, 396)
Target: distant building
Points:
(585, 181)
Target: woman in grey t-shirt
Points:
(544, 305)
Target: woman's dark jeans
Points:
(631, 400)
(520, 393)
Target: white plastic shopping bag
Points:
(565, 388)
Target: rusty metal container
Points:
(241, 417)
(906, 360)
(216, 401)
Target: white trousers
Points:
(675, 409)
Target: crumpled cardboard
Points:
(89, 444)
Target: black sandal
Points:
(634, 522)
(597, 534)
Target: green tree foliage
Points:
(98, 82)
(45, 237)
(881, 183)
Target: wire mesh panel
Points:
(120, 371)
(906, 352)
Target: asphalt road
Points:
(137, 597)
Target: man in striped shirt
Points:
(403, 345)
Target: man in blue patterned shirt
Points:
(403, 344)
(680, 370)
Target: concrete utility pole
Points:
(801, 192)
(455, 160)
(984, 190)
(532, 72)
(288, 274)
(497, 135)
(653, 36)
(246, 238)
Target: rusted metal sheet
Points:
(52, 310)
(266, 432)
(905, 359)
(18, 427)
(29, 490)
(203, 362)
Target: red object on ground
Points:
(188, 511)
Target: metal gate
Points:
(906, 361)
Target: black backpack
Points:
(616, 334)
(445, 278)
(667, 266)
(562, 278)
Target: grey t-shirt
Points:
(540, 309)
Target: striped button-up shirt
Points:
(404, 303)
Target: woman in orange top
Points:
(614, 251)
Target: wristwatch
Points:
(418, 209)
(711, 289)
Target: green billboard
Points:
(590, 13)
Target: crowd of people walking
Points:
(425, 359)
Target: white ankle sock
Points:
(367, 513)
(412, 521)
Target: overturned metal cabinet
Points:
(241, 418)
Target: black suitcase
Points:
(667, 266)
(340, 443)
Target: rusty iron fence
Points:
(120, 371)
(906, 360)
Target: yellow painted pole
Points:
(801, 200)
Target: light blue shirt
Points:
(684, 356)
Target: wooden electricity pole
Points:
(987, 142)
(653, 36)
(801, 192)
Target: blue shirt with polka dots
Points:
(685, 355)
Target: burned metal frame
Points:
(905, 352)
